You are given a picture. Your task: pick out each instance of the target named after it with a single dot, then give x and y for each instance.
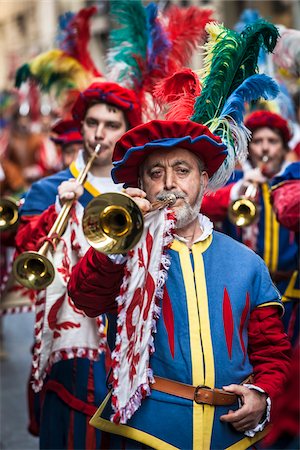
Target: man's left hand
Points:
(253, 408)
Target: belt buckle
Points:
(201, 386)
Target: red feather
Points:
(78, 39)
(179, 92)
(186, 30)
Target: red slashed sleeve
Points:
(95, 283)
(215, 205)
(269, 350)
(33, 228)
(285, 199)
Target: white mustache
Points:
(164, 195)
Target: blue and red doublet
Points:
(207, 335)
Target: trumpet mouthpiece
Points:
(171, 199)
(97, 149)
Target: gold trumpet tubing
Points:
(60, 223)
(27, 277)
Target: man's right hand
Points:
(69, 190)
(139, 197)
(254, 176)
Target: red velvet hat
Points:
(67, 132)
(113, 94)
(260, 119)
(135, 145)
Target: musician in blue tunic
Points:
(220, 313)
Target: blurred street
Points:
(15, 366)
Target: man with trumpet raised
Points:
(193, 312)
(210, 300)
(68, 345)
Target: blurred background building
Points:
(28, 28)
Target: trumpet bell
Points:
(9, 213)
(112, 223)
(33, 270)
(242, 212)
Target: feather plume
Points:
(54, 70)
(251, 89)
(67, 67)
(178, 92)
(128, 43)
(74, 36)
(232, 58)
(229, 126)
(185, 28)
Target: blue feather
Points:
(63, 24)
(251, 89)
(247, 17)
(158, 43)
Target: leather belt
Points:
(199, 394)
(280, 275)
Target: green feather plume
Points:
(230, 59)
(128, 44)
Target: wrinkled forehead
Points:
(169, 157)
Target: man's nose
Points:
(99, 131)
(170, 180)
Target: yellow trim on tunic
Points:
(267, 234)
(200, 337)
(291, 292)
(245, 443)
(87, 185)
(124, 430)
(209, 374)
(195, 340)
(271, 236)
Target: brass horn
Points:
(113, 223)
(33, 269)
(244, 211)
(9, 213)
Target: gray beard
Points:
(186, 213)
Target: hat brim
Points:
(212, 154)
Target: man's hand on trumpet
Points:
(139, 196)
(254, 176)
(69, 190)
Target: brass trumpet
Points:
(9, 213)
(113, 223)
(33, 269)
(244, 211)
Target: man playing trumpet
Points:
(67, 343)
(191, 327)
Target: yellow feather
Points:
(215, 31)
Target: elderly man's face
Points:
(175, 171)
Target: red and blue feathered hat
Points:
(215, 131)
(260, 119)
(66, 133)
(112, 93)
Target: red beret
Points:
(260, 119)
(67, 132)
(135, 145)
(113, 94)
